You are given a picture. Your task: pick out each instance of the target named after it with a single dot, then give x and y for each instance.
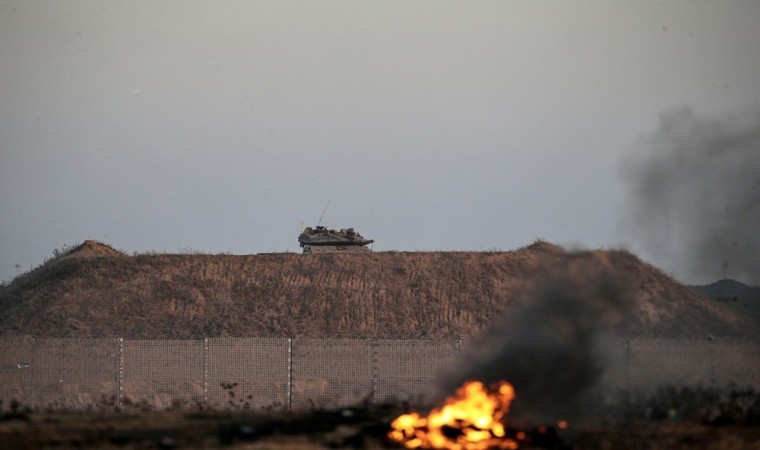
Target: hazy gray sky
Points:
(220, 126)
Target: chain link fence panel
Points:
(15, 367)
(736, 362)
(657, 362)
(247, 373)
(162, 374)
(406, 368)
(329, 373)
(59, 373)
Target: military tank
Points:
(324, 240)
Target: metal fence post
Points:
(627, 364)
(120, 375)
(711, 344)
(35, 395)
(205, 371)
(290, 373)
(373, 379)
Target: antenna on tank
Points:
(323, 213)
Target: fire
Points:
(470, 420)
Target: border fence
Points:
(285, 373)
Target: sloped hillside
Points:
(95, 291)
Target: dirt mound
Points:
(90, 248)
(374, 295)
(546, 247)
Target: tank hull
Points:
(322, 240)
(335, 249)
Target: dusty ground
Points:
(342, 429)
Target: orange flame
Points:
(470, 420)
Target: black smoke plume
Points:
(695, 196)
(552, 345)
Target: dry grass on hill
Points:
(96, 291)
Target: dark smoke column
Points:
(552, 344)
(694, 199)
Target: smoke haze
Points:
(550, 345)
(695, 195)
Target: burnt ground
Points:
(670, 418)
(342, 429)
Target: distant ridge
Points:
(736, 296)
(728, 288)
(96, 291)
